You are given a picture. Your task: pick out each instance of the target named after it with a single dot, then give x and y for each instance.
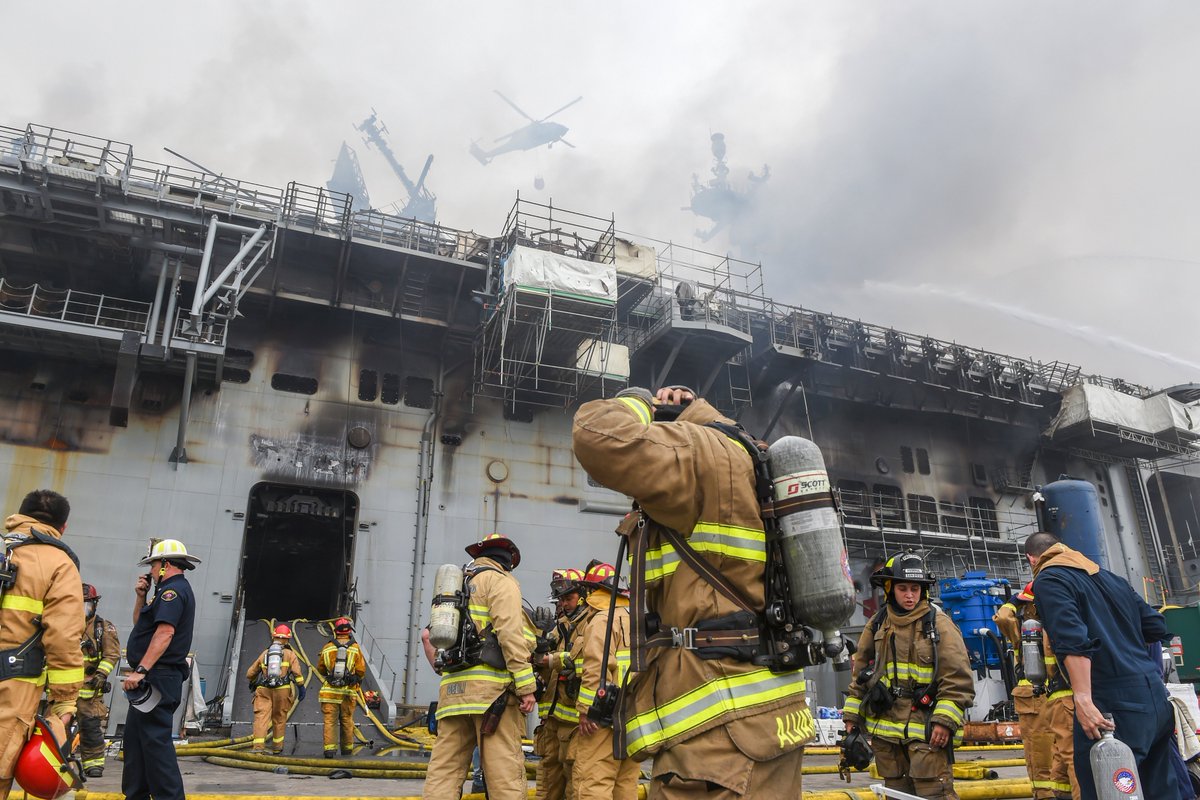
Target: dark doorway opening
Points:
(299, 552)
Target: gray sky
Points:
(1019, 176)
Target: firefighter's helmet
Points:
(565, 581)
(601, 576)
(495, 540)
(171, 550)
(342, 625)
(282, 631)
(90, 593)
(42, 768)
(906, 568)
(1026, 594)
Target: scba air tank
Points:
(814, 552)
(445, 617)
(275, 661)
(1032, 658)
(1072, 513)
(1114, 769)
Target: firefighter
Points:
(912, 684)
(343, 667)
(1045, 709)
(41, 610)
(101, 651)
(484, 696)
(271, 678)
(556, 706)
(595, 773)
(712, 719)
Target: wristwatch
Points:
(139, 669)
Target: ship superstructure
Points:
(327, 402)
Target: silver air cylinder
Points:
(814, 552)
(339, 663)
(444, 619)
(1114, 769)
(275, 661)
(1031, 651)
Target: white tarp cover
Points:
(1154, 415)
(541, 269)
(1165, 414)
(638, 260)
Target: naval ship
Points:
(326, 402)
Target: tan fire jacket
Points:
(1009, 618)
(105, 652)
(556, 701)
(901, 656)
(356, 669)
(587, 650)
(47, 588)
(289, 668)
(495, 604)
(700, 483)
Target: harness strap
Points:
(707, 572)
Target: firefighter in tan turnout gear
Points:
(101, 652)
(712, 720)
(595, 773)
(41, 626)
(486, 690)
(556, 706)
(342, 666)
(912, 684)
(272, 677)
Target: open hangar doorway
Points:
(298, 552)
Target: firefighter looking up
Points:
(271, 678)
(41, 617)
(101, 651)
(712, 719)
(556, 706)
(485, 693)
(595, 773)
(1045, 708)
(912, 684)
(343, 667)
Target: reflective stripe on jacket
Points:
(356, 669)
(105, 653)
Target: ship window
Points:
(418, 392)
(906, 459)
(954, 518)
(78, 396)
(979, 474)
(368, 385)
(889, 500)
(922, 461)
(983, 517)
(856, 506)
(238, 355)
(293, 383)
(391, 388)
(922, 510)
(235, 375)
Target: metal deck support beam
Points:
(211, 291)
(156, 309)
(666, 367)
(179, 454)
(202, 277)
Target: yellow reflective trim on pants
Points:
(639, 408)
(17, 602)
(1060, 694)
(74, 675)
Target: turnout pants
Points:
(271, 707)
(339, 718)
(551, 742)
(92, 715)
(1060, 720)
(1037, 737)
(500, 753)
(916, 768)
(151, 768)
(709, 766)
(597, 775)
(18, 706)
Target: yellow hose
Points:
(323, 771)
(370, 768)
(991, 790)
(827, 750)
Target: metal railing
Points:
(425, 237)
(69, 305)
(198, 189)
(377, 660)
(75, 155)
(568, 233)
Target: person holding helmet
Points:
(483, 699)
(596, 774)
(911, 684)
(343, 667)
(272, 677)
(41, 625)
(556, 706)
(101, 651)
(157, 651)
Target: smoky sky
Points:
(1016, 176)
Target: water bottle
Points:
(1114, 769)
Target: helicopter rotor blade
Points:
(564, 108)
(564, 141)
(515, 106)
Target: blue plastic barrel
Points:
(1073, 515)
(971, 601)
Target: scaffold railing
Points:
(544, 226)
(75, 307)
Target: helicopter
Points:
(537, 133)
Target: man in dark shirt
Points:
(157, 651)
(1099, 629)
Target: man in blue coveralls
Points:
(1099, 628)
(157, 651)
